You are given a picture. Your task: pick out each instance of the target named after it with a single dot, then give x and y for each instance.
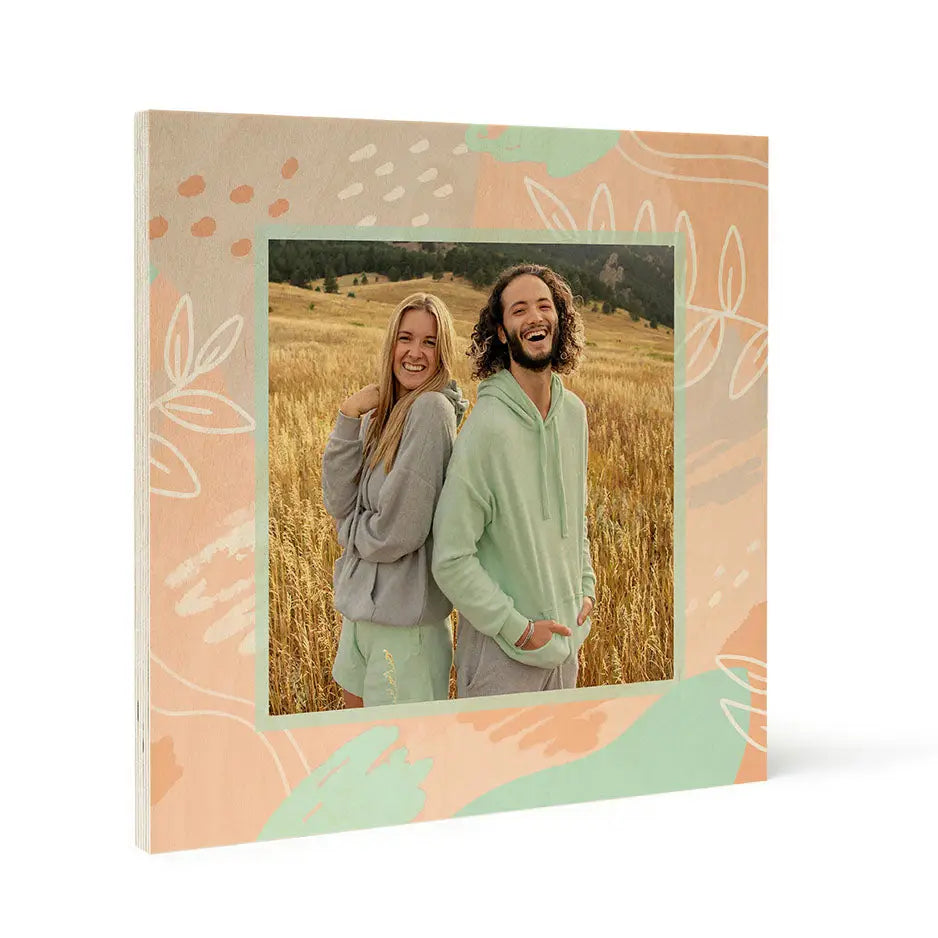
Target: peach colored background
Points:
(213, 179)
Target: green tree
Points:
(364, 278)
(331, 285)
(394, 274)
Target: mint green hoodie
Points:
(509, 535)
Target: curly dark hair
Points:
(489, 354)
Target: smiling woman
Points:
(382, 472)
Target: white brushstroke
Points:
(384, 169)
(195, 601)
(237, 539)
(356, 188)
(394, 194)
(443, 191)
(239, 617)
(365, 153)
(247, 646)
(429, 175)
(421, 146)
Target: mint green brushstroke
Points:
(563, 151)
(345, 793)
(153, 273)
(682, 741)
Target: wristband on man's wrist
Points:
(526, 634)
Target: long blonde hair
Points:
(387, 422)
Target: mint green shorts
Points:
(388, 664)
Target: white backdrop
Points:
(843, 833)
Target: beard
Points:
(532, 363)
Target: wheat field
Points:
(321, 355)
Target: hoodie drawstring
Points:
(542, 431)
(563, 498)
(545, 491)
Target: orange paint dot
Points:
(194, 185)
(241, 195)
(241, 248)
(204, 227)
(278, 208)
(158, 227)
(289, 168)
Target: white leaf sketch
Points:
(171, 469)
(731, 295)
(206, 412)
(180, 330)
(727, 705)
(755, 669)
(682, 224)
(749, 359)
(646, 211)
(602, 217)
(555, 215)
(219, 345)
(695, 344)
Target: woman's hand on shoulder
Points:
(360, 402)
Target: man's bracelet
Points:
(527, 634)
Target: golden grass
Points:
(318, 357)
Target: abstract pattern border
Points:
(212, 188)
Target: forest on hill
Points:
(636, 278)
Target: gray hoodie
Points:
(385, 519)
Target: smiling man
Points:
(510, 543)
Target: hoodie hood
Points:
(454, 395)
(503, 386)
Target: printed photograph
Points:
(471, 470)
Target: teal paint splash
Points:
(153, 273)
(345, 793)
(682, 741)
(563, 151)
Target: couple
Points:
(493, 524)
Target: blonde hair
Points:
(387, 422)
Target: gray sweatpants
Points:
(484, 670)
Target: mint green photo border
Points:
(263, 720)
